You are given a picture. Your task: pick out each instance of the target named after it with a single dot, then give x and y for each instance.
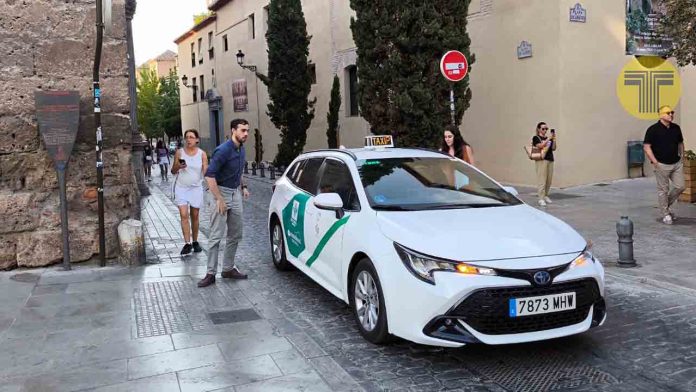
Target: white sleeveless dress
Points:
(188, 186)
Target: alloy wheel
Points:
(367, 301)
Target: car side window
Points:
(307, 175)
(336, 178)
(294, 169)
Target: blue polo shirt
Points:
(227, 164)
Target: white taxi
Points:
(430, 249)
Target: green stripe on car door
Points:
(332, 230)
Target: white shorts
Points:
(191, 196)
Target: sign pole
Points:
(97, 123)
(454, 67)
(64, 216)
(58, 117)
(452, 110)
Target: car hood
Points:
(480, 234)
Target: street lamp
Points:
(240, 61)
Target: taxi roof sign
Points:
(379, 141)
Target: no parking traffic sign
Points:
(454, 66)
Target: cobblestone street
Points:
(151, 329)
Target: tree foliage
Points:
(680, 24)
(169, 109)
(159, 112)
(148, 96)
(332, 115)
(400, 88)
(288, 80)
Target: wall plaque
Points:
(578, 13)
(524, 50)
(58, 114)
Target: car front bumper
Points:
(463, 309)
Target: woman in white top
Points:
(190, 163)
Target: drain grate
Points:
(540, 372)
(163, 308)
(233, 316)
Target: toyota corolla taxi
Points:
(430, 249)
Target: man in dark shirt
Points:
(664, 147)
(224, 178)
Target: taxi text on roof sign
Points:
(379, 141)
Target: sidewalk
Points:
(151, 329)
(666, 254)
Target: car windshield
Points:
(409, 184)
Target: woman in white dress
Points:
(190, 163)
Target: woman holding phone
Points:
(544, 167)
(190, 163)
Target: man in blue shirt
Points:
(224, 178)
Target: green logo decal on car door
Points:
(293, 222)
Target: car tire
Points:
(367, 301)
(278, 247)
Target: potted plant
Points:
(689, 194)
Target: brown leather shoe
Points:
(207, 281)
(234, 273)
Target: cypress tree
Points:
(399, 44)
(258, 146)
(288, 80)
(332, 115)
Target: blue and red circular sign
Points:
(454, 66)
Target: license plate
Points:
(542, 304)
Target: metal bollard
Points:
(272, 170)
(263, 170)
(246, 167)
(253, 168)
(624, 229)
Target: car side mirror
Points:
(330, 202)
(511, 190)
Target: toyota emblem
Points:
(542, 278)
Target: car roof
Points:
(375, 153)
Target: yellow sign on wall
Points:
(647, 83)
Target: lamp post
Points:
(252, 68)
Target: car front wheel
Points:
(278, 247)
(367, 301)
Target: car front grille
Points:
(486, 310)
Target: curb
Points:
(651, 282)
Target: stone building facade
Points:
(49, 45)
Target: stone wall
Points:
(49, 45)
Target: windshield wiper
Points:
(391, 208)
(462, 205)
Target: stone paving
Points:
(150, 329)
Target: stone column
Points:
(138, 141)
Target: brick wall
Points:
(49, 45)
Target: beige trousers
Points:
(544, 172)
(663, 175)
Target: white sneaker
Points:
(667, 220)
(542, 203)
(547, 200)
(674, 217)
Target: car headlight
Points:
(584, 258)
(423, 266)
